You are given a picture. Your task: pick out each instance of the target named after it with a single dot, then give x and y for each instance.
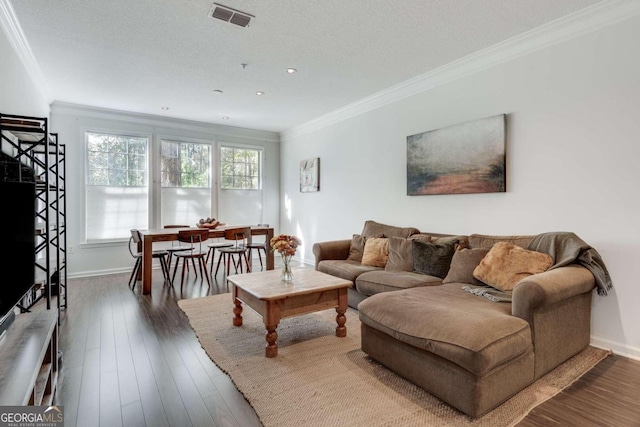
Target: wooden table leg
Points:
(271, 350)
(269, 254)
(147, 249)
(341, 319)
(237, 311)
(271, 320)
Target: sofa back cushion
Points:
(506, 264)
(463, 263)
(372, 228)
(376, 252)
(458, 241)
(433, 259)
(486, 241)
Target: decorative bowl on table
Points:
(208, 223)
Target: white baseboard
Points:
(616, 348)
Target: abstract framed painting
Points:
(460, 159)
(310, 175)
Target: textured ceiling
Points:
(140, 55)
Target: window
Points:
(116, 185)
(239, 168)
(185, 164)
(186, 185)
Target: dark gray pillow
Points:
(433, 259)
(463, 263)
(356, 249)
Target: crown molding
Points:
(13, 30)
(590, 19)
(100, 113)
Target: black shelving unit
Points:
(30, 153)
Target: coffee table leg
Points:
(271, 350)
(341, 309)
(341, 319)
(237, 310)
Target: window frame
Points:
(261, 152)
(120, 131)
(181, 140)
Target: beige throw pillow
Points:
(376, 252)
(506, 264)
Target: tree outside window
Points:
(116, 160)
(185, 164)
(240, 168)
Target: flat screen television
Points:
(17, 250)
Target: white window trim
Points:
(261, 165)
(116, 130)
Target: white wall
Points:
(71, 121)
(18, 93)
(573, 119)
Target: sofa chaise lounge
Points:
(470, 351)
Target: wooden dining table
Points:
(150, 236)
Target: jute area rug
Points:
(319, 379)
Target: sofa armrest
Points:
(334, 249)
(547, 288)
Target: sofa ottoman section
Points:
(484, 353)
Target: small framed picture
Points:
(310, 175)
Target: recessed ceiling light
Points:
(259, 93)
(291, 70)
(164, 108)
(225, 117)
(217, 91)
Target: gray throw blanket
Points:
(489, 292)
(566, 248)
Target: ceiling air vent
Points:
(229, 14)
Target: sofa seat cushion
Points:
(345, 269)
(374, 282)
(474, 333)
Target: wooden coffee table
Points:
(273, 299)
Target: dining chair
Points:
(211, 254)
(175, 247)
(259, 246)
(161, 255)
(240, 236)
(195, 238)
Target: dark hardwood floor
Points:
(133, 360)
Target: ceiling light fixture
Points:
(291, 70)
(259, 93)
(225, 117)
(164, 108)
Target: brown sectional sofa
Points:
(469, 351)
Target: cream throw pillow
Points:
(506, 264)
(376, 251)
